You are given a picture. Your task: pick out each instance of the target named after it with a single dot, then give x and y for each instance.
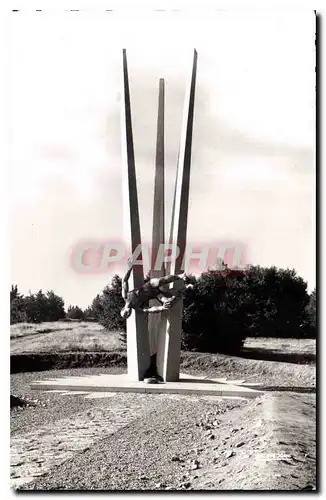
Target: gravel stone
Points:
(147, 432)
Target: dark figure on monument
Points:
(138, 299)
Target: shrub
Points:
(280, 298)
(213, 319)
(227, 306)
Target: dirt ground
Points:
(274, 362)
(268, 444)
(195, 443)
(167, 442)
(275, 374)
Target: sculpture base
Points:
(187, 384)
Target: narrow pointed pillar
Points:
(170, 343)
(155, 321)
(137, 329)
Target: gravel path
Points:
(50, 406)
(151, 442)
(159, 449)
(74, 440)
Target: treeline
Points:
(43, 306)
(226, 306)
(35, 308)
(223, 308)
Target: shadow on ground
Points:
(271, 355)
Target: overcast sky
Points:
(253, 164)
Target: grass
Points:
(83, 336)
(61, 336)
(289, 362)
(298, 351)
(288, 346)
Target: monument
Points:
(157, 340)
(154, 339)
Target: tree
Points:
(55, 307)
(14, 294)
(310, 323)
(75, 312)
(107, 306)
(17, 306)
(97, 307)
(213, 319)
(228, 305)
(35, 308)
(280, 298)
(112, 303)
(89, 314)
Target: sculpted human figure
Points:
(138, 299)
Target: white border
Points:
(183, 5)
(136, 8)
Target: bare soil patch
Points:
(187, 443)
(268, 444)
(184, 443)
(272, 373)
(268, 373)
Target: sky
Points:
(253, 157)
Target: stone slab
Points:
(120, 383)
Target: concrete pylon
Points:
(159, 339)
(155, 321)
(168, 356)
(138, 357)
